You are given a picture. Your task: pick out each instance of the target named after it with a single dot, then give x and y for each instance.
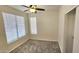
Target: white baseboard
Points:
(45, 39)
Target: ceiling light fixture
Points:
(32, 10)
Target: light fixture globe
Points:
(32, 10)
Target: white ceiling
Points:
(46, 7)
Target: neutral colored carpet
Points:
(38, 46)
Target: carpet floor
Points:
(38, 46)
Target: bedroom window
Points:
(33, 25)
(14, 27)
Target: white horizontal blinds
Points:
(14, 27)
(10, 27)
(33, 25)
(20, 26)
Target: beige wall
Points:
(76, 33)
(69, 31)
(63, 10)
(47, 25)
(4, 47)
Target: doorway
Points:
(69, 31)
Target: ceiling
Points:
(46, 7)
